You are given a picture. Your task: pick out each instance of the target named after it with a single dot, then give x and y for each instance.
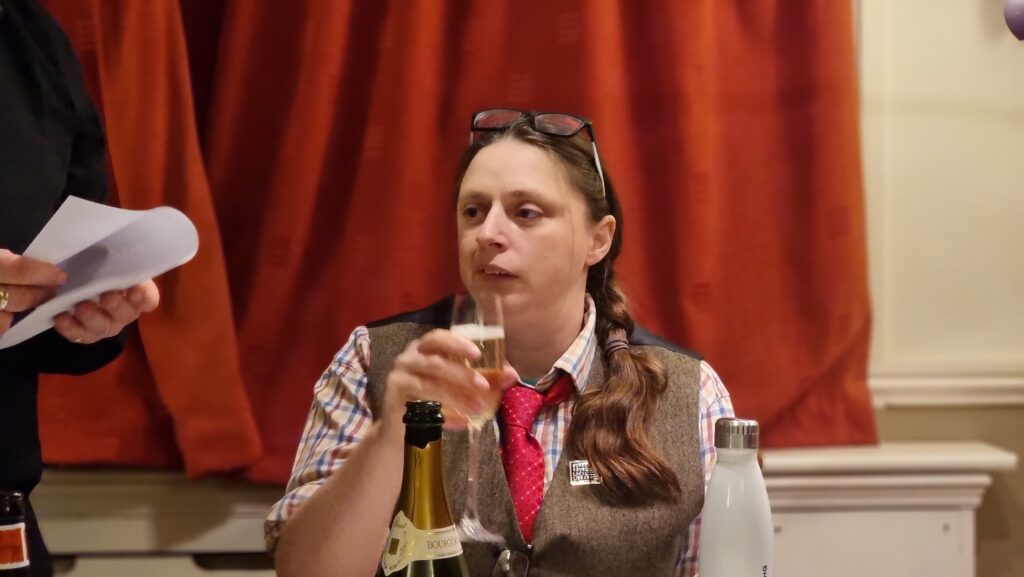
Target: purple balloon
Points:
(1013, 10)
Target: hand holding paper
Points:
(107, 255)
(25, 283)
(90, 321)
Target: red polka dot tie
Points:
(521, 453)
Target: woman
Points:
(540, 225)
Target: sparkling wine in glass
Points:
(480, 320)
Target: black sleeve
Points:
(87, 170)
(86, 177)
(87, 173)
(51, 353)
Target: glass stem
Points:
(473, 467)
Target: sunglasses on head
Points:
(550, 123)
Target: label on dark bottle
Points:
(407, 543)
(13, 548)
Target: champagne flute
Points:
(480, 320)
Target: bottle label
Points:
(407, 543)
(13, 548)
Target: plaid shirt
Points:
(340, 418)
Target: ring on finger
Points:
(5, 297)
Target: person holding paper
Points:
(52, 147)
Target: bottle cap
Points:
(12, 504)
(733, 433)
(423, 413)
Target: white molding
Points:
(889, 458)
(876, 492)
(888, 476)
(952, 391)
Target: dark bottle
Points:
(423, 541)
(14, 560)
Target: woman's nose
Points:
(492, 231)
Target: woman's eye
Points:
(527, 213)
(471, 211)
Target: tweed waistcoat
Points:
(577, 533)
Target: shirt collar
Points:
(578, 359)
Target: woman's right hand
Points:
(434, 367)
(25, 283)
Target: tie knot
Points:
(520, 404)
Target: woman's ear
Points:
(601, 240)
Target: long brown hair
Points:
(611, 423)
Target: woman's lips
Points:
(495, 272)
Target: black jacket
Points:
(51, 146)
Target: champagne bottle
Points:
(736, 530)
(423, 541)
(14, 561)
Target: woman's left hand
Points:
(90, 321)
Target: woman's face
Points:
(523, 230)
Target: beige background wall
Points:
(942, 87)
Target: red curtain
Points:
(330, 131)
(176, 397)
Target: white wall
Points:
(942, 96)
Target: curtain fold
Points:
(175, 397)
(331, 132)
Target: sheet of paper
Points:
(102, 248)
